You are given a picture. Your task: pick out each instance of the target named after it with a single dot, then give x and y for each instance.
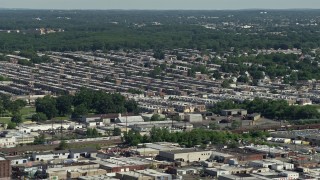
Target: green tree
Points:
(11, 125)
(47, 105)
(158, 54)
(156, 117)
(85, 97)
(92, 133)
(163, 67)
(155, 72)
(16, 106)
(135, 91)
(40, 139)
(117, 132)
(132, 106)
(16, 118)
(132, 138)
(39, 117)
(225, 84)
(63, 145)
(64, 105)
(214, 126)
(216, 75)
(235, 124)
(243, 79)
(3, 78)
(80, 110)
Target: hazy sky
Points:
(160, 4)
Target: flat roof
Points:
(154, 173)
(188, 150)
(96, 177)
(120, 162)
(233, 109)
(221, 154)
(14, 157)
(141, 150)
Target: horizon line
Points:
(125, 9)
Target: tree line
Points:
(82, 103)
(194, 137)
(274, 65)
(273, 109)
(11, 108)
(105, 30)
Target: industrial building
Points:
(147, 174)
(234, 112)
(185, 155)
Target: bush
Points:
(156, 117)
(38, 117)
(63, 145)
(116, 132)
(16, 118)
(11, 125)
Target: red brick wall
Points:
(251, 157)
(5, 169)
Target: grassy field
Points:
(27, 113)
(61, 118)
(5, 119)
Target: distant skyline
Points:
(161, 4)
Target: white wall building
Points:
(186, 155)
(6, 142)
(272, 164)
(290, 174)
(45, 156)
(17, 160)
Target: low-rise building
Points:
(75, 174)
(194, 118)
(273, 164)
(254, 116)
(60, 171)
(5, 169)
(216, 172)
(129, 119)
(233, 112)
(42, 156)
(17, 160)
(185, 155)
(114, 165)
(221, 157)
(239, 177)
(97, 177)
(147, 174)
(289, 174)
(84, 152)
(6, 142)
(61, 154)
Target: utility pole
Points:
(171, 122)
(126, 120)
(52, 130)
(61, 131)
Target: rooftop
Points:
(188, 150)
(89, 149)
(97, 177)
(120, 162)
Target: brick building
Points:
(5, 169)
